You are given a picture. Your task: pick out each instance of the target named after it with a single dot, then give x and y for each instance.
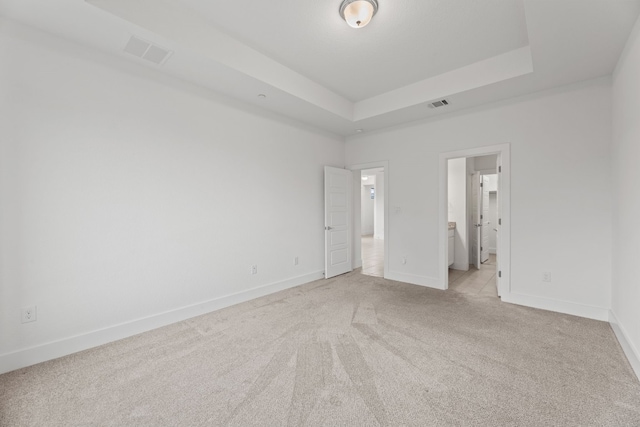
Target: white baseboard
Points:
(52, 350)
(631, 351)
(430, 282)
(492, 251)
(357, 264)
(588, 311)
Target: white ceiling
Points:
(410, 41)
(315, 69)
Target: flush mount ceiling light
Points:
(358, 13)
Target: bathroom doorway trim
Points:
(504, 212)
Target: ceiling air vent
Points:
(146, 50)
(438, 104)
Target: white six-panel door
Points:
(337, 221)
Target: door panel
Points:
(337, 217)
(338, 237)
(485, 229)
(337, 200)
(339, 256)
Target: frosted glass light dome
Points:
(358, 13)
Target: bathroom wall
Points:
(457, 190)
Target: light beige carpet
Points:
(351, 351)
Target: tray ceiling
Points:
(315, 69)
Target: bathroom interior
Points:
(473, 225)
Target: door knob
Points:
(328, 228)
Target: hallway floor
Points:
(372, 256)
(475, 281)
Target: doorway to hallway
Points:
(372, 221)
(372, 256)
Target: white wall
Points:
(569, 131)
(484, 163)
(127, 194)
(367, 208)
(378, 214)
(626, 196)
(457, 189)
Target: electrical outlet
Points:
(29, 314)
(546, 276)
(295, 261)
(254, 269)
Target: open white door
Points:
(337, 221)
(484, 220)
(475, 218)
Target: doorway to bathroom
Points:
(474, 211)
(472, 227)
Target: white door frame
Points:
(357, 209)
(504, 212)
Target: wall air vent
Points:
(148, 51)
(438, 104)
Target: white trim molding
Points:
(52, 350)
(559, 306)
(632, 353)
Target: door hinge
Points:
(480, 216)
(500, 221)
(481, 184)
(499, 168)
(499, 273)
(481, 248)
